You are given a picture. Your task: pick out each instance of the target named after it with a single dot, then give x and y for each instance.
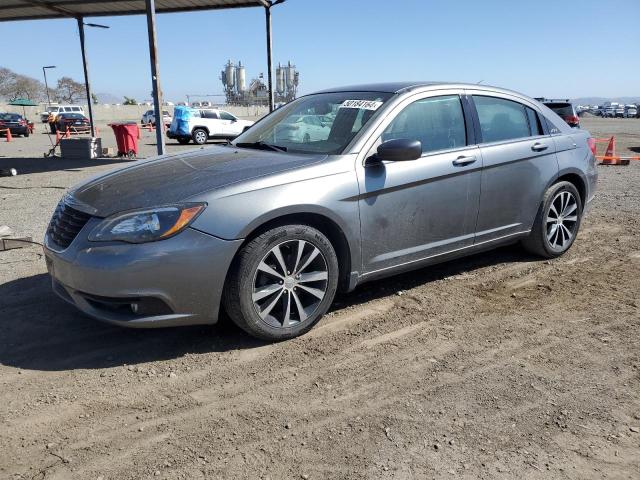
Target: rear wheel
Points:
(200, 136)
(557, 222)
(282, 282)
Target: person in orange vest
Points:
(52, 122)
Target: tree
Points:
(14, 85)
(69, 91)
(129, 101)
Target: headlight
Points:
(146, 225)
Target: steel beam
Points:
(155, 75)
(85, 66)
(267, 12)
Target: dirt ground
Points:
(496, 366)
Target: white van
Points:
(58, 109)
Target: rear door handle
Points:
(539, 147)
(462, 161)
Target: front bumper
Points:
(182, 278)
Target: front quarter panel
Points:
(329, 189)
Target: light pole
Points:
(44, 72)
(85, 65)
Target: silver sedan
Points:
(270, 226)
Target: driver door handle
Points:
(539, 147)
(462, 161)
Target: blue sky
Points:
(552, 48)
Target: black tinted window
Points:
(534, 122)
(438, 122)
(501, 119)
(226, 116)
(206, 114)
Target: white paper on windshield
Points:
(363, 104)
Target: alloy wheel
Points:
(562, 220)
(201, 137)
(289, 283)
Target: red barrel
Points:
(127, 135)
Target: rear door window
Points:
(501, 119)
(209, 114)
(438, 122)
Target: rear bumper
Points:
(178, 281)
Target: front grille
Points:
(65, 224)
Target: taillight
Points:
(592, 145)
(572, 119)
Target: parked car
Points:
(16, 124)
(59, 109)
(149, 117)
(269, 229)
(75, 122)
(208, 124)
(630, 111)
(608, 112)
(618, 112)
(304, 128)
(565, 110)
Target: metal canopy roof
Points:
(41, 9)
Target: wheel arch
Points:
(574, 177)
(326, 225)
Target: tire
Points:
(549, 238)
(184, 140)
(26, 134)
(200, 136)
(257, 274)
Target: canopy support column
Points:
(267, 11)
(85, 65)
(155, 75)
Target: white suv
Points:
(208, 123)
(58, 109)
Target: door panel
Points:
(416, 209)
(513, 181)
(519, 160)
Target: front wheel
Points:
(557, 222)
(282, 282)
(200, 136)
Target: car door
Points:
(230, 124)
(414, 210)
(519, 161)
(211, 120)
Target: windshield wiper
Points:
(262, 146)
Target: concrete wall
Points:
(118, 113)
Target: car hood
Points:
(175, 178)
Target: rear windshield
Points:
(10, 117)
(561, 108)
(72, 115)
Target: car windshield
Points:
(322, 123)
(561, 108)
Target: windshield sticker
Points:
(363, 104)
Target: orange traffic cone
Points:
(610, 153)
(9, 137)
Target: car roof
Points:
(403, 87)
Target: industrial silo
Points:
(241, 78)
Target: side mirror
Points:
(400, 150)
(234, 120)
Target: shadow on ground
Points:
(40, 165)
(38, 331)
